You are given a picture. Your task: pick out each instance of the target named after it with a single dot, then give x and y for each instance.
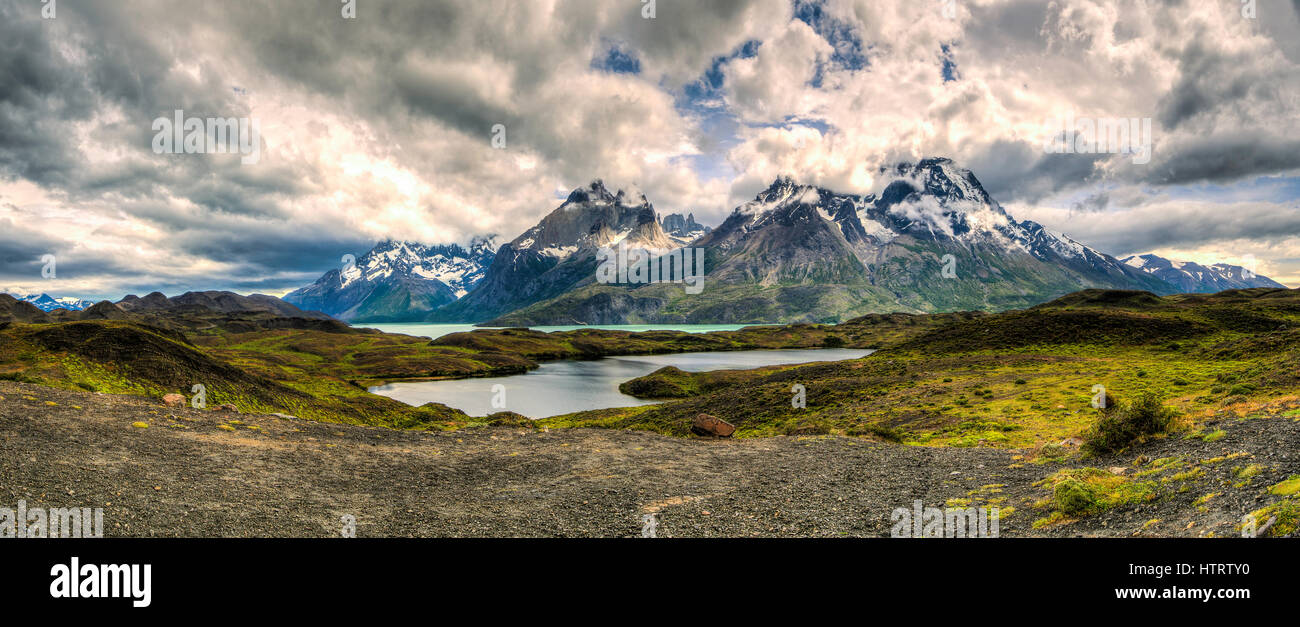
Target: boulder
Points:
(174, 400)
(707, 425)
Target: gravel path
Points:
(187, 475)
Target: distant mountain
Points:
(1190, 277)
(12, 309)
(45, 302)
(192, 311)
(560, 252)
(804, 253)
(212, 301)
(398, 281)
(683, 230)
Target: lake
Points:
(561, 387)
(434, 331)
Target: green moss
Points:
(1285, 515)
(666, 382)
(1287, 488)
(1087, 491)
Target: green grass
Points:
(1088, 491)
(1018, 379)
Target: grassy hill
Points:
(1016, 379)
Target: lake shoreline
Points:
(555, 387)
(534, 347)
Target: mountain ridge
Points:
(1195, 278)
(398, 281)
(932, 240)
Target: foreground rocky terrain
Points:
(162, 471)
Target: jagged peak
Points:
(594, 191)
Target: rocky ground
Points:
(201, 473)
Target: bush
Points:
(1120, 426)
(17, 377)
(833, 341)
(1072, 496)
(1243, 389)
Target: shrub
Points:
(1243, 389)
(833, 341)
(883, 432)
(18, 377)
(1072, 496)
(1122, 425)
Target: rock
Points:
(707, 425)
(174, 400)
(1072, 442)
(228, 407)
(1117, 470)
(283, 416)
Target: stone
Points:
(1118, 470)
(1072, 442)
(707, 425)
(228, 407)
(174, 400)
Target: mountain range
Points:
(45, 302)
(1193, 277)
(189, 312)
(932, 240)
(396, 281)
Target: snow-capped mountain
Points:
(1193, 277)
(931, 240)
(45, 302)
(683, 230)
(398, 281)
(559, 252)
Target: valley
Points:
(1008, 401)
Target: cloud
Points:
(382, 126)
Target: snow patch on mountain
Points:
(48, 303)
(1190, 276)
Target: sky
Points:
(440, 120)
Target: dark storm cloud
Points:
(1227, 158)
(1020, 171)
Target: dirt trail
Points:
(188, 475)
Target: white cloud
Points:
(381, 126)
